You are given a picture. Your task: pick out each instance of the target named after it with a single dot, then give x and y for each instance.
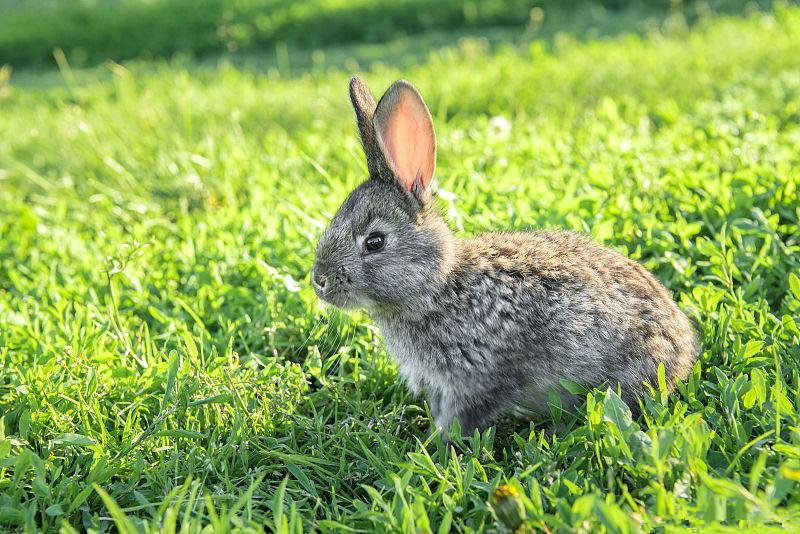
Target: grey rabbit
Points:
(486, 326)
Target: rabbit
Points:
(488, 326)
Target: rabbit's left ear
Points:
(364, 105)
(404, 130)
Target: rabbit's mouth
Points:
(338, 296)
(332, 286)
(330, 292)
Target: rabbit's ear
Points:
(404, 130)
(364, 106)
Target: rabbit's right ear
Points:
(364, 105)
(404, 130)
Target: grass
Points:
(90, 32)
(166, 366)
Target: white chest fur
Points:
(421, 366)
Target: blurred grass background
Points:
(91, 31)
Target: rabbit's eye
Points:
(374, 242)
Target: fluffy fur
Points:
(488, 325)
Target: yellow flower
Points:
(508, 507)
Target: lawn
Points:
(166, 366)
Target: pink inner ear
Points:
(408, 141)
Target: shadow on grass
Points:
(584, 21)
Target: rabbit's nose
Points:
(319, 280)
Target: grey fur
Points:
(364, 106)
(489, 325)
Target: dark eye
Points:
(374, 241)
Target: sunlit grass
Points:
(165, 363)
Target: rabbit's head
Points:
(386, 246)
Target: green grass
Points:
(165, 363)
(92, 31)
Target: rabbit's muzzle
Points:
(330, 284)
(320, 281)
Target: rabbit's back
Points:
(607, 304)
